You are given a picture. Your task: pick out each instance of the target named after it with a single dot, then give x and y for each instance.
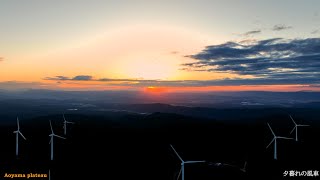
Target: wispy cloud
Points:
(315, 31)
(269, 60)
(280, 27)
(254, 32)
(174, 52)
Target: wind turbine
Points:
(275, 142)
(65, 122)
(296, 127)
(244, 169)
(49, 175)
(18, 132)
(183, 163)
(51, 140)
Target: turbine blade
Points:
(22, 135)
(280, 137)
(176, 153)
(50, 140)
(59, 136)
(179, 173)
(191, 162)
(230, 165)
(293, 120)
(271, 129)
(51, 126)
(302, 125)
(70, 122)
(271, 142)
(293, 129)
(18, 123)
(63, 117)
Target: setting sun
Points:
(152, 89)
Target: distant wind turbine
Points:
(65, 122)
(244, 169)
(18, 132)
(51, 140)
(296, 127)
(183, 163)
(275, 142)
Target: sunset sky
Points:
(167, 45)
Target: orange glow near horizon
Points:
(279, 88)
(152, 89)
(99, 86)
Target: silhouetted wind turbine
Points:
(183, 163)
(275, 142)
(18, 132)
(51, 140)
(296, 127)
(65, 122)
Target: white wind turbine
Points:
(65, 122)
(244, 169)
(51, 140)
(296, 127)
(18, 132)
(183, 163)
(275, 142)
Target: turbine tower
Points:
(296, 127)
(18, 132)
(275, 142)
(51, 140)
(65, 122)
(183, 163)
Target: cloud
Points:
(254, 32)
(174, 52)
(1, 58)
(76, 78)
(276, 59)
(280, 27)
(57, 78)
(315, 31)
(82, 78)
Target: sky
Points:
(167, 45)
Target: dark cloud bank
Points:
(272, 60)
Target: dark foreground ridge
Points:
(137, 146)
